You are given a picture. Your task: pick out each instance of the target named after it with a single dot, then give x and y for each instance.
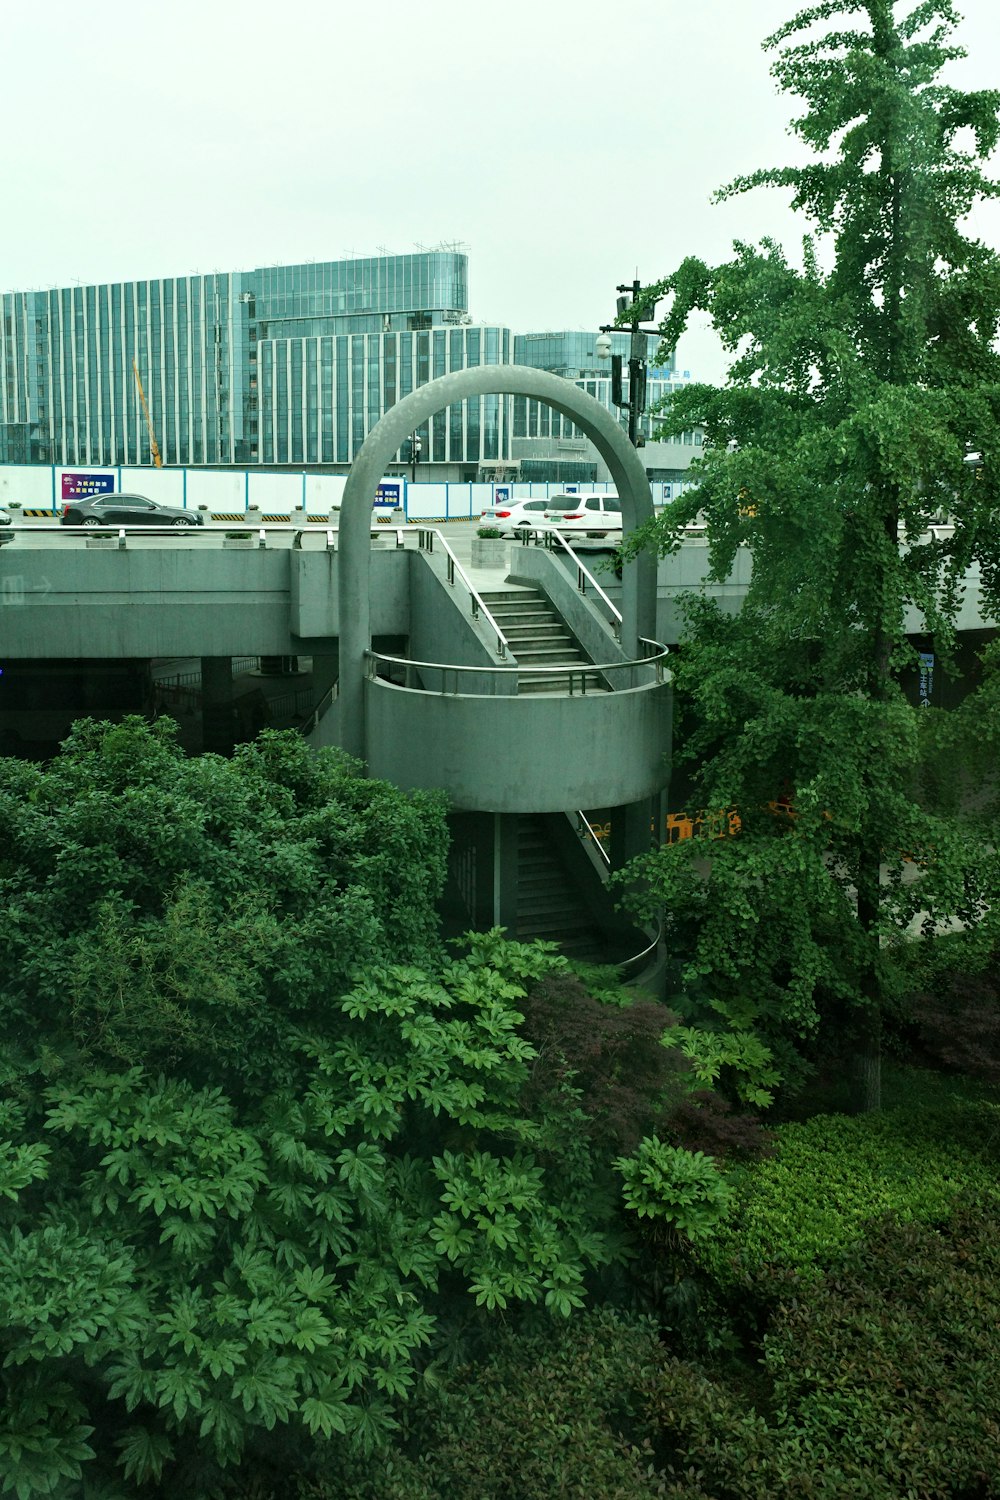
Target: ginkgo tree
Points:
(854, 450)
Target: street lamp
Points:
(415, 448)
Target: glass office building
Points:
(278, 365)
(572, 354)
(548, 445)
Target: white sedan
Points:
(515, 515)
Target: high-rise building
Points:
(278, 365)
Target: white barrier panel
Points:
(276, 493)
(164, 485)
(426, 502)
(220, 492)
(324, 491)
(40, 487)
(29, 485)
(481, 496)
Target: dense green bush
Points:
(251, 1165)
(544, 1416)
(683, 1189)
(181, 912)
(183, 1275)
(878, 1382)
(832, 1175)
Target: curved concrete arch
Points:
(378, 451)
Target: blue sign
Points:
(926, 686)
(501, 493)
(76, 486)
(389, 496)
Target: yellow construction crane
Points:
(157, 460)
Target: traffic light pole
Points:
(636, 403)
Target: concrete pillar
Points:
(632, 830)
(217, 726)
(505, 868)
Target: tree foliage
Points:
(860, 381)
(253, 1164)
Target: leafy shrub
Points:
(704, 1121)
(683, 1188)
(880, 1379)
(609, 1053)
(543, 1416)
(200, 1274)
(178, 912)
(251, 1165)
(832, 1175)
(893, 1361)
(730, 1054)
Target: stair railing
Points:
(635, 963)
(585, 576)
(653, 660)
(328, 698)
(586, 830)
(425, 541)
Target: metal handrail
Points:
(454, 566)
(586, 829)
(328, 698)
(583, 572)
(632, 963)
(653, 659)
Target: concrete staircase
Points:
(539, 636)
(549, 901)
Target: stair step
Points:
(498, 596)
(542, 629)
(532, 642)
(555, 654)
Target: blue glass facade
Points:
(281, 364)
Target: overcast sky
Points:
(567, 145)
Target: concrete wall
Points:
(526, 754)
(442, 629)
(182, 601)
(314, 590)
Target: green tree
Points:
(860, 383)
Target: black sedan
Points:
(126, 510)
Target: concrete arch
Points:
(381, 446)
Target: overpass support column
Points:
(633, 830)
(217, 704)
